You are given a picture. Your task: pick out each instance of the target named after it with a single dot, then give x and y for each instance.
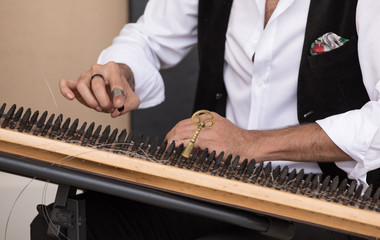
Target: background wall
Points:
(42, 41)
(45, 40)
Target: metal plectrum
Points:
(118, 92)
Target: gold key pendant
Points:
(204, 119)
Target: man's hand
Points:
(223, 136)
(96, 92)
(299, 143)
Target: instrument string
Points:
(143, 153)
(46, 215)
(13, 207)
(137, 149)
(50, 90)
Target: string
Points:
(50, 90)
(46, 215)
(139, 152)
(13, 206)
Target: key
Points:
(203, 119)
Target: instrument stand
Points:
(68, 213)
(67, 218)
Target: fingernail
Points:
(98, 108)
(69, 95)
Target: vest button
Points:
(308, 114)
(218, 96)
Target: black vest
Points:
(328, 84)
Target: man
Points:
(281, 102)
(261, 68)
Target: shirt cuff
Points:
(353, 134)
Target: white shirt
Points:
(262, 94)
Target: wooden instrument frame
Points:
(197, 185)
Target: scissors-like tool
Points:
(203, 119)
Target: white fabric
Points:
(261, 93)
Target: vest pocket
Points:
(335, 56)
(336, 78)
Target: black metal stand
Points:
(277, 228)
(67, 218)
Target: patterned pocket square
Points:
(327, 42)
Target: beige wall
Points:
(45, 40)
(42, 41)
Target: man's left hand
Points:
(223, 136)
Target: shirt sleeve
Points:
(357, 132)
(159, 39)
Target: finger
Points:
(99, 89)
(69, 90)
(84, 90)
(119, 94)
(131, 102)
(66, 87)
(117, 83)
(184, 130)
(118, 98)
(199, 142)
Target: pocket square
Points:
(327, 42)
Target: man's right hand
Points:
(95, 89)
